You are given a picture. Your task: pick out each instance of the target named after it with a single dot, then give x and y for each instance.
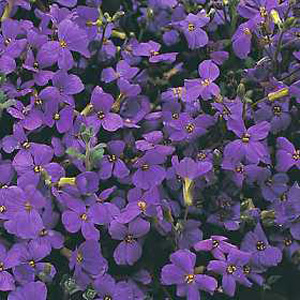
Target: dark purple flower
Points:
(151, 50)
(64, 87)
(30, 256)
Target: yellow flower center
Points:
(191, 27)
(206, 82)
(231, 269)
(261, 246)
(246, 138)
(145, 167)
(296, 155)
(247, 31)
(112, 158)
(190, 278)
(142, 205)
(190, 128)
(63, 43)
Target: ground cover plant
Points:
(149, 149)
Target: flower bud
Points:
(188, 185)
(278, 94)
(275, 17)
(66, 180)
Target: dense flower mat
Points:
(149, 149)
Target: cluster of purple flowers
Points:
(163, 130)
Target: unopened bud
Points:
(66, 180)
(188, 185)
(241, 91)
(278, 94)
(275, 17)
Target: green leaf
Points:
(2, 97)
(86, 133)
(97, 153)
(69, 285)
(89, 294)
(74, 153)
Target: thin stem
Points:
(186, 212)
(87, 161)
(289, 75)
(167, 293)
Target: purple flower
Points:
(249, 146)
(187, 128)
(8, 259)
(62, 118)
(130, 249)
(102, 103)
(111, 164)
(36, 66)
(140, 203)
(192, 29)
(29, 116)
(190, 234)
(108, 288)
(263, 254)
(71, 38)
(78, 217)
(181, 272)
(30, 256)
(87, 182)
(123, 70)
(64, 87)
(204, 87)
(30, 166)
(22, 211)
(30, 291)
(226, 213)
(88, 262)
(151, 50)
(149, 173)
(217, 245)
(287, 156)
(232, 270)
(241, 40)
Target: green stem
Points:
(87, 161)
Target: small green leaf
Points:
(74, 153)
(97, 153)
(89, 294)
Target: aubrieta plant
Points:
(149, 149)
